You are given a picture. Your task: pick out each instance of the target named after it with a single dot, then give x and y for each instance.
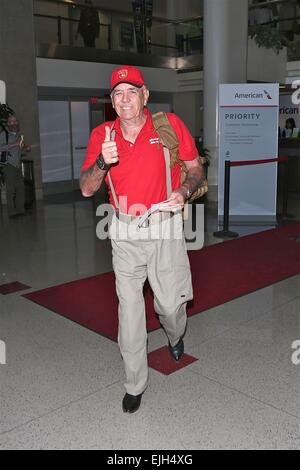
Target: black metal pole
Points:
(144, 28)
(59, 29)
(187, 45)
(226, 196)
(226, 233)
(109, 36)
(285, 191)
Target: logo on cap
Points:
(123, 73)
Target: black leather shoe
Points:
(177, 350)
(131, 403)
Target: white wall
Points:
(187, 99)
(72, 74)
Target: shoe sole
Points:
(130, 412)
(177, 360)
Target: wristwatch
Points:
(101, 163)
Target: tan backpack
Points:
(170, 141)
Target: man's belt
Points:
(145, 220)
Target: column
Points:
(225, 61)
(18, 71)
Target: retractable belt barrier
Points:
(226, 233)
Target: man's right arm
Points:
(91, 180)
(92, 176)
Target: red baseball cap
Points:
(126, 74)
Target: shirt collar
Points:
(148, 126)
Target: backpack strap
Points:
(167, 135)
(168, 171)
(170, 143)
(113, 191)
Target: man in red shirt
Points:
(128, 154)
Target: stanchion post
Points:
(285, 191)
(226, 233)
(226, 196)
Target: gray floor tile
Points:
(52, 361)
(213, 322)
(180, 412)
(255, 358)
(15, 410)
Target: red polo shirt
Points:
(140, 174)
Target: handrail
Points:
(270, 3)
(184, 43)
(59, 19)
(161, 45)
(276, 21)
(64, 18)
(126, 13)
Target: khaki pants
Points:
(15, 194)
(165, 262)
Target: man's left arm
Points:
(194, 179)
(188, 154)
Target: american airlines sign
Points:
(249, 95)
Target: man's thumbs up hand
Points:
(109, 148)
(107, 134)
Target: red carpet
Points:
(12, 287)
(220, 273)
(161, 360)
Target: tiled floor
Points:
(62, 385)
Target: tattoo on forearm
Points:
(194, 179)
(91, 180)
